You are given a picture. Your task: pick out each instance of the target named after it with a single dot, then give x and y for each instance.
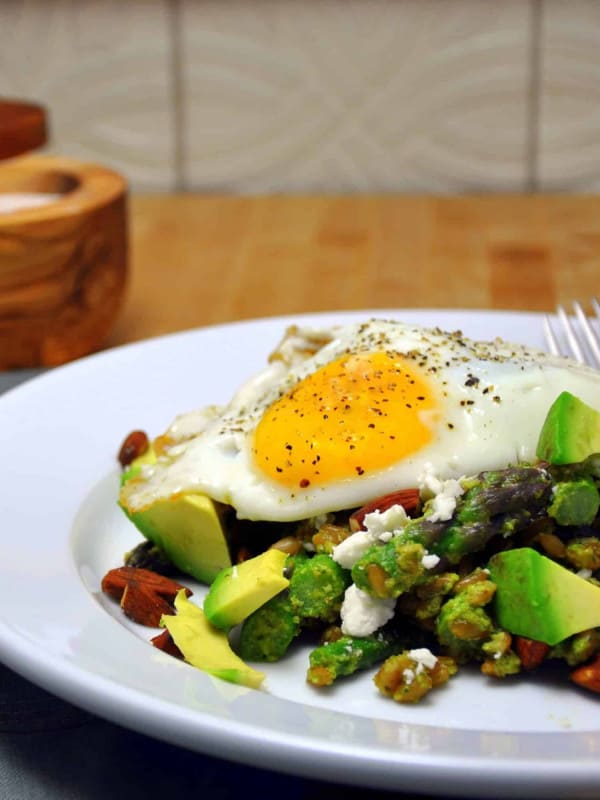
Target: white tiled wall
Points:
(569, 139)
(355, 94)
(309, 95)
(103, 68)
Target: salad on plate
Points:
(404, 499)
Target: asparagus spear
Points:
(351, 653)
(269, 631)
(317, 587)
(499, 502)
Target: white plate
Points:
(61, 530)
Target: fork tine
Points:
(570, 334)
(550, 338)
(582, 338)
(590, 334)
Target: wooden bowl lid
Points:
(22, 127)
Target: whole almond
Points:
(164, 641)
(588, 676)
(115, 581)
(144, 606)
(530, 651)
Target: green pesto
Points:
(506, 664)
(424, 601)
(497, 645)
(294, 559)
(400, 561)
(500, 659)
(579, 648)
(317, 587)
(575, 502)
(329, 536)
(350, 654)
(400, 679)
(584, 553)
(463, 625)
(404, 680)
(268, 632)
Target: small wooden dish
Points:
(63, 265)
(23, 127)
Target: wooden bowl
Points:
(63, 265)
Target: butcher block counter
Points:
(203, 259)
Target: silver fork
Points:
(578, 339)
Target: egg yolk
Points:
(356, 415)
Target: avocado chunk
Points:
(205, 647)
(540, 599)
(571, 431)
(239, 590)
(189, 529)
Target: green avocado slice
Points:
(205, 647)
(189, 527)
(238, 591)
(540, 599)
(571, 431)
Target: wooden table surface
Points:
(203, 259)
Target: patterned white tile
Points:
(569, 123)
(103, 69)
(386, 95)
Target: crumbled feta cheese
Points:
(408, 675)
(430, 560)
(424, 657)
(440, 495)
(380, 526)
(347, 552)
(441, 508)
(362, 614)
(428, 482)
(381, 523)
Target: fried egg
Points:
(342, 416)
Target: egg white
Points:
(494, 397)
